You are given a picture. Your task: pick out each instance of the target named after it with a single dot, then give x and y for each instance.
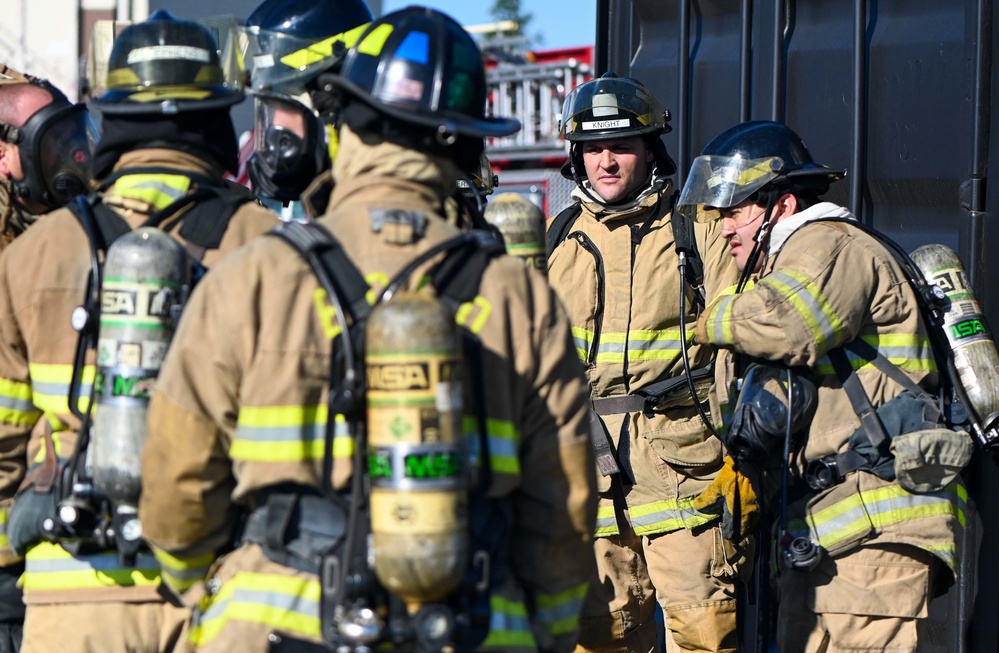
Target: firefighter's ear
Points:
(787, 205)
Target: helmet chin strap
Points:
(760, 241)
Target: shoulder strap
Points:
(101, 224)
(337, 274)
(458, 276)
(561, 225)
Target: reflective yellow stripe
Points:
(321, 50)
(287, 434)
(50, 567)
(183, 573)
(285, 603)
(159, 190)
(508, 624)
(606, 522)
(583, 340)
(808, 300)
(667, 516)
(16, 405)
(883, 507)
(559, 613)
(4, 541)
(50, 389)
(719, 321)
(909, 352)
(504, 443)
(375, 41)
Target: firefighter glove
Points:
(24, 522)
(732, 496)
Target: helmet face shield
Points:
(725, 181)
(277, 59)
(611, 107)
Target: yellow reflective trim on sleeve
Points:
(321, 50)
(504, 443)
(16, 405)
(183, 573)
(813, 307)
(50, 389)
(560, 612)
(284, 603)
(287, 434)
(375, 41)
(583, 340)
(463, 316)
(719, 321)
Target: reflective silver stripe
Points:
(808, 294)
(278, 600)
(299, 432)
(20, 405)
(720, 316)
(568, 609)
(100, 562)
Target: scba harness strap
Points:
(211, 207)
(456, 279)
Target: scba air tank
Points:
(974, 349)
(416, 453)
(145, 280)
(523, 227)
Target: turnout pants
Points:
(868, 599)
(104, 627)
(686, 571)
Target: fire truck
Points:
(530, 86)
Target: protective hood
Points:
(371, 157)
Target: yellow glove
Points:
(732, 495)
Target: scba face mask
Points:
(56, 149)
(289, 148)
(769, 396)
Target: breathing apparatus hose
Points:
(682, 267)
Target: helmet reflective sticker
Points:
(415, 47)
(604, 104)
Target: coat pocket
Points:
(680, 438)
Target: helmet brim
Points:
(119, 102)
(460, 125)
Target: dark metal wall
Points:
(897, 91)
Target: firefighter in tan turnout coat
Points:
(81, 598)
(239, 418)
(861, 555)
(615, 267)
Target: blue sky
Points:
(558, 26)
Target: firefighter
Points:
(289, 45)
(45, 151)
(613, 260)
(861, 556)
(241, 412)
(167, 138)
(40, 126)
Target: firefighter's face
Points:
(740, 224)
(616, 167)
